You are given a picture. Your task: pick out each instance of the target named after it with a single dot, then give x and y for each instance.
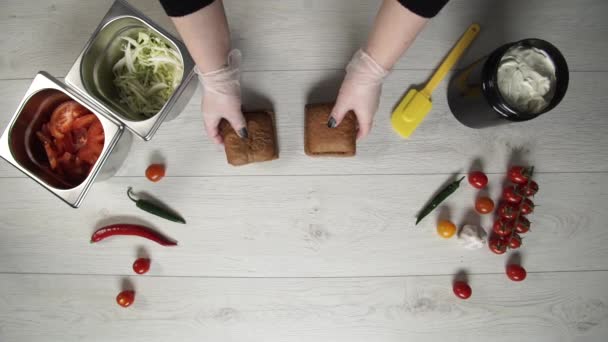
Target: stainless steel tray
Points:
(91, 74)
(20, 147)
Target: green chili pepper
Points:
(440, 197)
(155, 209)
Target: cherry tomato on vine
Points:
(462, 289)
(527, 207)
(497, 244)
(516, 272)
(514, 241)
(523, 225)
(519, 174)
(511, 194)
(528, 189)
(507, 211)
(478, 179)
(503, 227)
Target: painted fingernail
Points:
(331, 123)
(243, 133)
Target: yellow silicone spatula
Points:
(417, 104)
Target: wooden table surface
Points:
(302, 249)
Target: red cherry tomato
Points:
(516, 272)
(507, 211)
(478, 179)
(514, 241)
(511, 195)
(141, 265)
(519, 174)
(497, 244)
(527, 207)
(529, 189)
(523, 225)
(484, 205)
(503, 227)
(462, 289)
(155, 172)
(125, 298)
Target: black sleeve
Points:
(424, 8)
(180, 8)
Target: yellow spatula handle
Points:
(447, 64)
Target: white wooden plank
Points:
(545, 307)
(311, 34)
(298, 217)
(296, 226)
(571, 138)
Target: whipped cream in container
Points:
(516, 82)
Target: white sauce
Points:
(526, 79)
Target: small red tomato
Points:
(478, 179)
(507, 211)
(484, 205)
(516, 272)
(514, 241)
(523, 225)
(529, 189)
(141, 265)
(503, 227)
(519, 174)
(527, 207)
(511, 195)
(125, 298)
(462, 289)
(155, 172)
(497, 244)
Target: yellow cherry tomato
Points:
(446, 229)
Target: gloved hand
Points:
(360, 92)
(222, 98)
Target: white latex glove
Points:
(360, 92)
(222, 98)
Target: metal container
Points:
(92, 76)
(20, 146)
(90, 82)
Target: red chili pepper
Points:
(131, 229)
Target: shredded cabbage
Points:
(147, 74)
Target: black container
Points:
(473, 94)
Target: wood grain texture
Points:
(300, 249)
(545, 307)
(571, 138)
(312, 34)
(296, 226)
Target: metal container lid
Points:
(92, 76)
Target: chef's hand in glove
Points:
(360, 92)
(222, 98)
